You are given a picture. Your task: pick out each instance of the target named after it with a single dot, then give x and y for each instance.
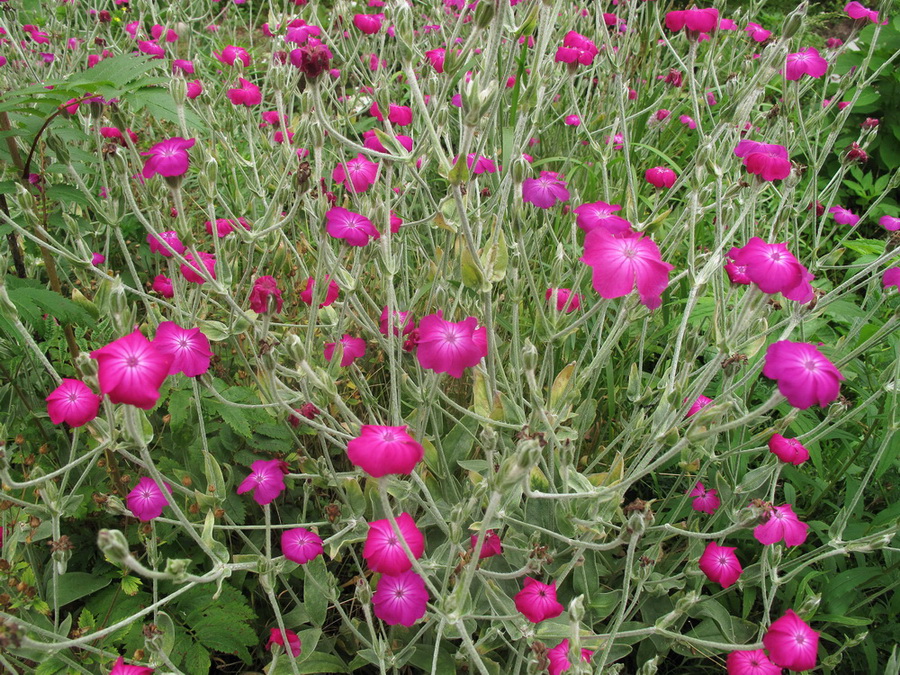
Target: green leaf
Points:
(131, 584)
(220, 632)
(116, 71)
(322, 663)
(197, 659)
(34, 301)
(180, 407)
(314, 590)
(75, 585)
(67, 193)
(50, 666)
(236, 418)
(86, 620)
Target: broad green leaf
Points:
(76, 585)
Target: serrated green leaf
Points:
(116, 71)
(86, 620)
(197, 659)
(180, 407)
(131, 584)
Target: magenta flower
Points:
(121, 668)
(98, 259)
(383, 551)
(576, 49)
(572, 120)
(720, 564)
(194, 89)
(694, 19)
(146, 501)
(856, 10)
(168, 158)
(224, 226)
(450, 347)
(190, 270)
(751, 662)
(276, 638)
(401, 323)
(546, 191)
(183, 67)
(436, 58)
(265, 296)
(891, 278)
(131, 370)
(163, 285)
(889, 223)
(600, 214)
(660, 177)
(189, 348)
(352, 348)
(757, 33)
(768, 161)
(490, 547)
(805, 62)
(72, 402)
(774, 269)
(398, 115)
(699, 404)
(803, 374)
(380, 451)
(312, 59)
(788, 450)
(331, 294)
(371, 141)
(266, 480)
(355, 229)
(165, 243)
(792, 644)
(559, 658)
(247, 94)
(844, 216)
(625, 262)
(537, 601)
(359, 175)
(781, 523)
(688, 121)
(301, 545)
(231, 54)
(368, 23)
(564, 299)
(705, 500)
(478, 165)
(400, 599)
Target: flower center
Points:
(132, 361)
(629, 252)
(72, 396)
(399, 593)
(811, 365)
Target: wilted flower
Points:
(768, 161)
(720, 564)
(792, 644)
(625, 262)
(781, 523)
(805, 62)
(189, 348)
(660, 177)
(546, 191)
(72, 402)
(146, 501)
(311, 59)
(131, 370)
(400, 599)
(301, 545)
(774, 269)
(383, 551)
(266, 480)
(705, 501)
(168, 158)
(559, 658)
(490, 547)
(265, 296)
(600, 214)
(537, 601)
(788, 450)
(803, 374)
(276, 638)
(163, 285)
(352, 348)
(450, 347)
(382, 450)
(359, 176)
(352, 227)
(331, 293)
(751, 662)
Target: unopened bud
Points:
(484, 14)
(793, 22)
(529, 355)
(178, 567)
(113, 544)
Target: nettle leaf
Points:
(180, 407)
(33, 301)
(116, 71)
(223, 624)
(220, 632)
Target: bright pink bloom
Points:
(436, 59)
(788, 450)
(705, 501)
(600, 214)
(121, 668)
(660, 177)
(774, 269)
(753, 662)
(398, 115)
(844, 216)
(247, 94)
(546, 191)
(720, 564)
(72, 402)
(131, 370)
(564, 299)
(371, 141)
(312, 59)
(559, 658)
(191, 270)
(164, 243)
(699, 404)
(224, 226)
(402, 322)
(352, 348)
(804, 375)
(537, 601)
(792, 644)
(768, 161)
(395, 222)
(231, 54)
(625, 262)
(383, 551)
(575, 49)
(331, 293)
(189, 348)
(157, 31)
(168, 158)
(805, 62)
(781, 523)
(662, 114)
(856, 10)
(573, 120)
(266, 480)
(450, 347)
(368, 23)
(891, 277)
(757, 33)
(352, 227)
(694, 19)
(97, 259)
(183, 67)
(265, 296)
(301, 545)
(889, 223)
(163, 285)
(276, 638)
(480, 165)
(380, 451)
(490, 547)
(400, 599)
(688, 121)
(299, 32)
(737, 274)
(146, 501)
(150, 48)
(359, 175)
(194, 89)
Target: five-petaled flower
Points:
(383, 450)
(131, 369)
(450, 347)
(805, 377)
(537, 601)
(266, 480)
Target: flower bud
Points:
(484, 14)
(178, 89)
(520, 169)
(793, 22)
(529, 355)
(114, 545)
(576, 609)
(177, 568)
